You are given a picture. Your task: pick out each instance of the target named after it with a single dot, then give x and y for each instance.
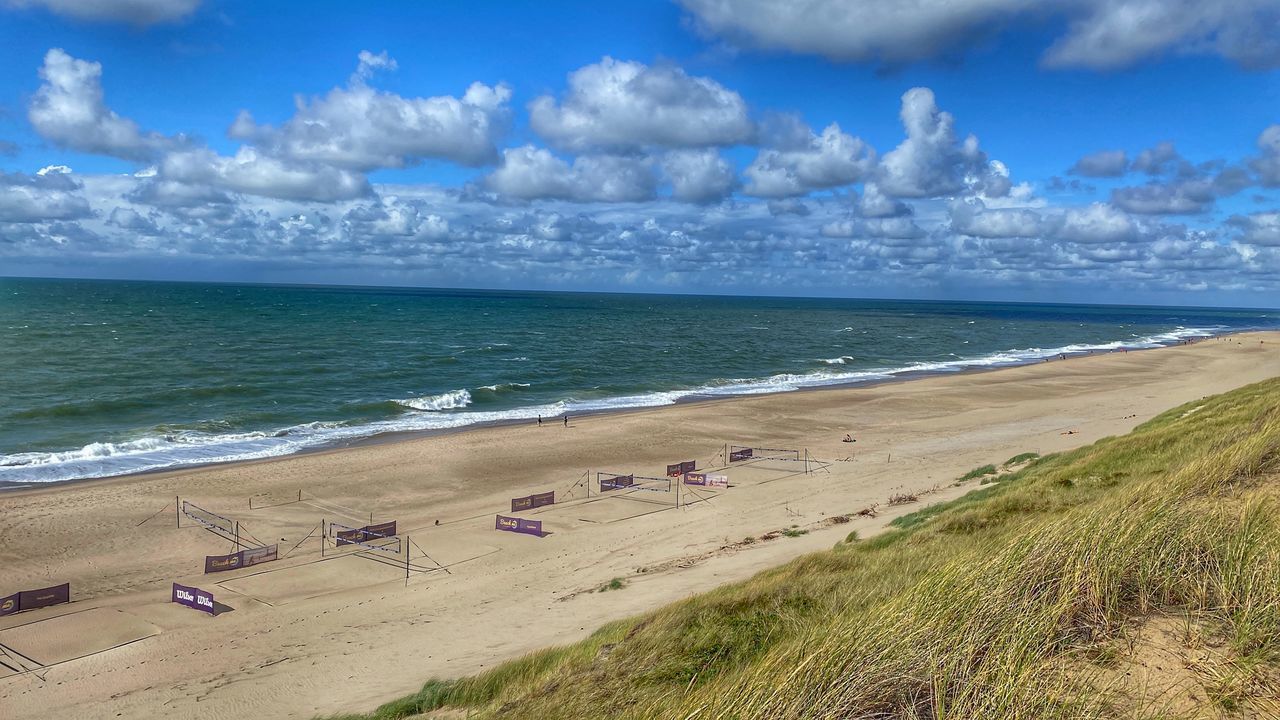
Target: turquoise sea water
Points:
(103, 377)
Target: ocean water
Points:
(102, 378)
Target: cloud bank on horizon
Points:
(649, 176)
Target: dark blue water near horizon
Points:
(108, 377)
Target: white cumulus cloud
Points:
(808, 162)
(69, 109)
(358, 127)
(618, 105)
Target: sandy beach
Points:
(315, 633)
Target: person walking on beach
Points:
(566, 421)
(539, 420)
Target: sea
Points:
(103, 378)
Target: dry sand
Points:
(304, 635)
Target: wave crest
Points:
(452, 400)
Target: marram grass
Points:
(1010, 602)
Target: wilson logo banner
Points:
(193, 597)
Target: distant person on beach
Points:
(848, 438)
(539, 421)
(566, 421)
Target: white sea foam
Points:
(502, 386)
(191, 447)
(451, 400)
(837, 361)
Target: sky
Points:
(1123, 151)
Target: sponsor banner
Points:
(530, 502)
(194, 598)
(222, 563)
(739, 455)
(680, 468)
(718, 480)
(617, 482)
(381, 531)
(244, 558)
(32, 599)
(44, 597)
(694, 478)
(520, 525)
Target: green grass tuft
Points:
(979, 472)
(1021, 458)
(614, 584)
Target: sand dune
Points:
(311, 634)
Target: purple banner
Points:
(44, 597)
(738, 455)
(617, 482)
(680, 468)
(194, 598)
(222, 563)
(32, 599)
(530, 502)
(244, 558)
(381, 531)
(520, 525)
(695, 478)
(718, 480)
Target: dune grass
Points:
(1018, 600)
(1021, 458)
(979, 472)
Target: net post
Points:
(177, 511)
(406, 561)
(237, 535)
(324, 535)
(299, 494)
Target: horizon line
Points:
(251, 283)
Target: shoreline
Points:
(397, 436)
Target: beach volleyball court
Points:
(75, 635)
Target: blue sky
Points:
(694, 153)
